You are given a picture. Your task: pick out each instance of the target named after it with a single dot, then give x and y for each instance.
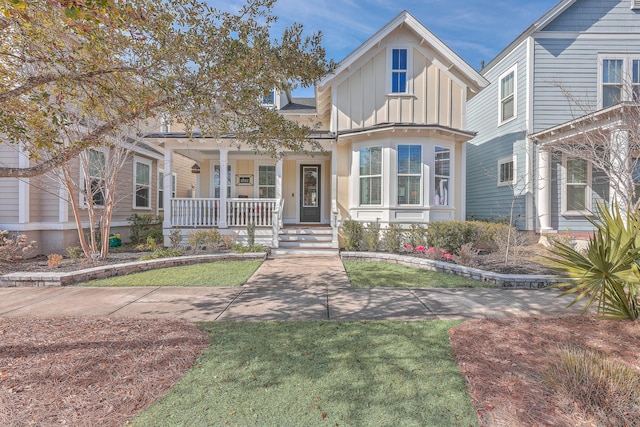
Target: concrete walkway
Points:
(285, 288)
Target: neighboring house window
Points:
(269, 99)
(142, 189)
(611, 82)
(409, 174)
(266, 181)
(161, 188)
(97, 164)
(577, 186)
(216, 181)
(506, 171)
(508, 95)
(399, 68)
(371, 176)
(635, 81)
(442, 173)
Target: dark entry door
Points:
(310, 194)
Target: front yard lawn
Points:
(220, 273)
(380, 274)
(320, 373)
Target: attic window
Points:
(399, 71)
(635, 4)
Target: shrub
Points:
(251, 233)
(608, 271)
(372, 236)
(204, 239)
(175, 237)
(451, 235)
(229, 240)
(600, 386)
(75, 252)
(144, 226)
(394, 238)
(467, 256)
(13, 248)
(417, 235)
(161, 253)
(53, 260)
(353, 232)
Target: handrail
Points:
(205, 212)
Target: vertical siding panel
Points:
(368, 94)
(344, 121)
(456, 106)
(432, 92)
(444, 99)
(419, 103)
(355, 96)
(380, 73)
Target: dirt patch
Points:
(78, 371)
(504, 363)
(39, 263)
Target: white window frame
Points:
(381, 175)
(230, 186)
(409, 71)
(257, 179)
(83, 199)
(635, 4)
(627, 74)
(409, 174)
(513, 70)
(503, 161)
(450, 187)
(160, 192)
(141, 160)
(588, 200)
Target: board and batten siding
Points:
(363, 101)
(603, 16)
(9, 186)
(494, 141)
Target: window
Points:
(142, 189)
(611, 82)
(371, 176)
(508, 96)
(409, 174)
(636, 180)
(267, 182)
(635, 80)
(161, 188)
(443, 172)
(577, 192)
(216, 181)
(399, 67)
(506, 171)
(94, 191)
(269, 99)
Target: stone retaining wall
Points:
(104, 271)
(497, 279)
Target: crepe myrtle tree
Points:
(106, 65)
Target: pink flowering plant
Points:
(430, 252)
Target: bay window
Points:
(442, 176)
(409, 174)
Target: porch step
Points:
(301, 240)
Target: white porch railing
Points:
(206, 212)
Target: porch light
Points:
(195, 168)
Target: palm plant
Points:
(607, 272)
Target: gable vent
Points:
(635, 4)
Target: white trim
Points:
(409, 70)
(504, 160)
(588, 190)
(376, 144)
(160, 187)
(149, 163)
(514, 70)
(24, 202)
(627, 74)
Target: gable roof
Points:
(538, 25)
(405, 18)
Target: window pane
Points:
(506, 172)
(399, 82)
(97, 194)
(143, 172)
(611, 95)
(576, 171)
(576, 197)
(376, 161)
(96, 163)
(442, 161)
(415, 166)
(636, 71)
(365, 160)
(142, 197)
(508, 110)
(442, 192)
(403, 159)
(612, 71)
(409, 190)
(371, 191)
(506, 86)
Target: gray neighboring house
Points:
(588, 48)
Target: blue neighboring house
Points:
(589, 49)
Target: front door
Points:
(310, 194)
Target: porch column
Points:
(275, 242)
(621, 185)
(166, 193)
(224, 165)
(544, 189)
(334, 194)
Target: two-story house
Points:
(568, 71)
(393, 128)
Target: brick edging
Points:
(69, 278)
(497, 279)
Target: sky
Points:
(476, 30)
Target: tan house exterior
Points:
(393, 132)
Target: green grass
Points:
(380, 274)
(221, 273)
(320, 374)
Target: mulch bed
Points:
(504, 363)
(87, 371)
